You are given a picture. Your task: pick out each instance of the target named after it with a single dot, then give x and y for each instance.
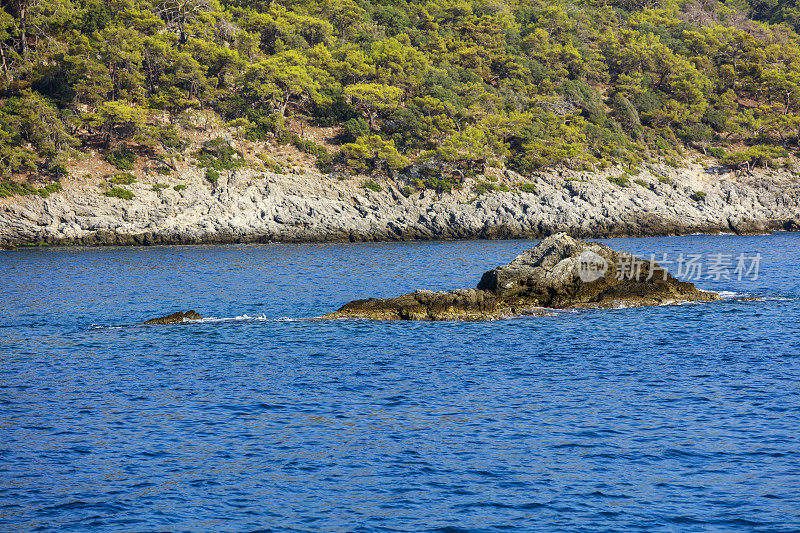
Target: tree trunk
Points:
(285, 104)
(109, 127)
(5, 65)
(23, 23)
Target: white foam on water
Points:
(239, 318)
(726, 295)
(248, 318)
(214, 320)
(731, 294)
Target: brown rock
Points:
(175, 318)
(560, 272)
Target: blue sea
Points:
(675, 418)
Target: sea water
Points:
(674, 418)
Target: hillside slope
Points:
(462, 85)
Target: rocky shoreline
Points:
(246, 206)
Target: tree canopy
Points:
(526, 84)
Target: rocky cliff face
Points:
(560, 272)
(246, 206)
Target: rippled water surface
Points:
(681, 418)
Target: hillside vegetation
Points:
(458, 85)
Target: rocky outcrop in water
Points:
(174, 318)
(560, 272)
(249, 206)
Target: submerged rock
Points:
(560, 272)
(175, 318)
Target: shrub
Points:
(642, 183)
(58, 170)
(628, 116)
(180, 187)
(122, 158)
(620, 181)
(527, 187)
(373, 152)
(119, 192)
(355, 128)
(160, 187)
(50, 188)
(698, 196)
(212, 175)
(471, 149)
(324, 158)
(698, 133)
(665, 180)
(122, 178)
(271, 164)
(631, 171)
(371, 185)
(587, 99)
(309, 147)
(166, 136)
(10, 188)
(218, 155)
(717, 151)
(242, 127)
(755, 155)
(483, 187)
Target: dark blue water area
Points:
(676, 418)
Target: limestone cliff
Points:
(249, 206)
